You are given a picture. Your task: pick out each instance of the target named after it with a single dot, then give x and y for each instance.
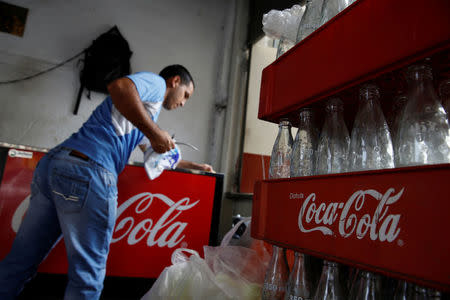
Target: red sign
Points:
(390, 221)
(153, 217)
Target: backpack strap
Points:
(77, 105)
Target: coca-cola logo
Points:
(380, 225)
(163, 232)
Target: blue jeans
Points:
(73, 198)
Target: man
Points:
(74, 187)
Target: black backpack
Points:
(107, 59)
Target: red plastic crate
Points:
(368, 39)
(392, 221)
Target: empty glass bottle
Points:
(331, 8)
(404, 291)
(433, 294)
(280, 160)
(387, 287)
(420, 293)
(334, 142)
(283, 46)
(368, 287)
(424, 133)
(299, 286)
(305, 143)
(329, 286)
(276, 276)
(394, 114)
(353, 282)
(394, 118)
(444, 93)
(311, 19)
(371, 144)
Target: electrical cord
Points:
(43, 72)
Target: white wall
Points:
(39, 112)
(259, 135)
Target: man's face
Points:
(177, 93)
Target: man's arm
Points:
(125, 98)
(184, 164)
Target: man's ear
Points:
(174, 81)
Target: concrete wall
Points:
(39, 112)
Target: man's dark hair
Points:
(174, 70)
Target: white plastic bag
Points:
(239, 270)
(283, 24)
(227, 272)
(187, 278)
(155, 163)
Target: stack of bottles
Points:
(317, 13)
(415, 133)
(292, 25)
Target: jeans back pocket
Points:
(70, 191)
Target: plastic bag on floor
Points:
(187, 278)
(227, 272)
(242, 267)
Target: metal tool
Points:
(183, 143)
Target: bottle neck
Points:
(330, 271)
(420, 76)
(299, 261)
(334, 109)
(369, 93)
(305, 119)
(335, 115)
(278, 257)
(422, 93)
(284, 134)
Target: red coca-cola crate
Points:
(368, 39)
(391, 221)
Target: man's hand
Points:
(161, 141)
(207, 168)
(185, 164)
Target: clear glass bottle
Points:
(280, 160)
(434, 294)
(276, 276)
(331, 8)
(420, 293)
(394, 118)
(353, 282)
(444, 93)
(329, 286)
(370, 143)
(368, 287)
(404, 291)
(305, 143)
(334, 142)
(283, 46)
(424, 133)
(299, 286)
(311, 19)
(395, 110)
(388, 286)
